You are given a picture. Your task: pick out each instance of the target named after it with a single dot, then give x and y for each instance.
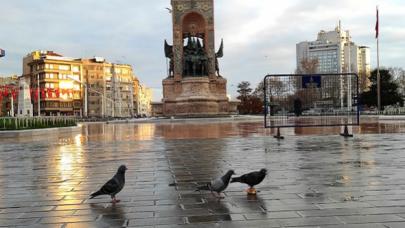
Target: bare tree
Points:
(364, 82)
(275, 87)
(399, 77)
(308, 66)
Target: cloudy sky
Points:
(259, 35)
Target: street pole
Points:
(378, 61)
(39, 97)
(349, 78)
(378, 76)
(85, 100)
(12, 106)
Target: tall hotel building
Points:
(336, 53)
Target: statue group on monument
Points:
(195, 58)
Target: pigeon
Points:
(113, 186)
(218, 185)
(251, 179)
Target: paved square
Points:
(313, 181)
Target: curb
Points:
(44, 131)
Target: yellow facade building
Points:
(84, 87)
(55, 83)
(110, 88)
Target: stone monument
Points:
(194, 86)
(25, 108)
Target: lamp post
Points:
(94, 91)
(39, 97)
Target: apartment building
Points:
(144, 101)
(55, 83)
(8, 95)
(110, 88)
(83, 87)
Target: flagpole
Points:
(378, 76)
(378, 62)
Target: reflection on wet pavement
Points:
(316, 178)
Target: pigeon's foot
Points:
(114, 201)
(220, 196)
(251, 191)
(217, 195)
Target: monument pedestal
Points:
(195, 97)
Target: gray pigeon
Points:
(218, 185)
(251, 179)
(113, 186)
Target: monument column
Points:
(194, 87)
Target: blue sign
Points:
(312, 81)
(2, 53)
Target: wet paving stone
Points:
(314, 180)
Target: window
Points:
(76, 69)
(64, 67)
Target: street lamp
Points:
(94, 91)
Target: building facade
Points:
(55, 83)
(144, 101)
(83, 87)
(110, 88)
(336, 53)
(8, 96)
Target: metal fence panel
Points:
(311, 100)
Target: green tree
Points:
(244, 90)
(251, 103)
(389, 90)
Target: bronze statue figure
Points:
(169, 54)
(218, 55)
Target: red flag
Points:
(42, 93)
(377, 25)
(57, 93)
(49, 93)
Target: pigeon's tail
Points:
(95, 194)
(236, 179)
(203, 187)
